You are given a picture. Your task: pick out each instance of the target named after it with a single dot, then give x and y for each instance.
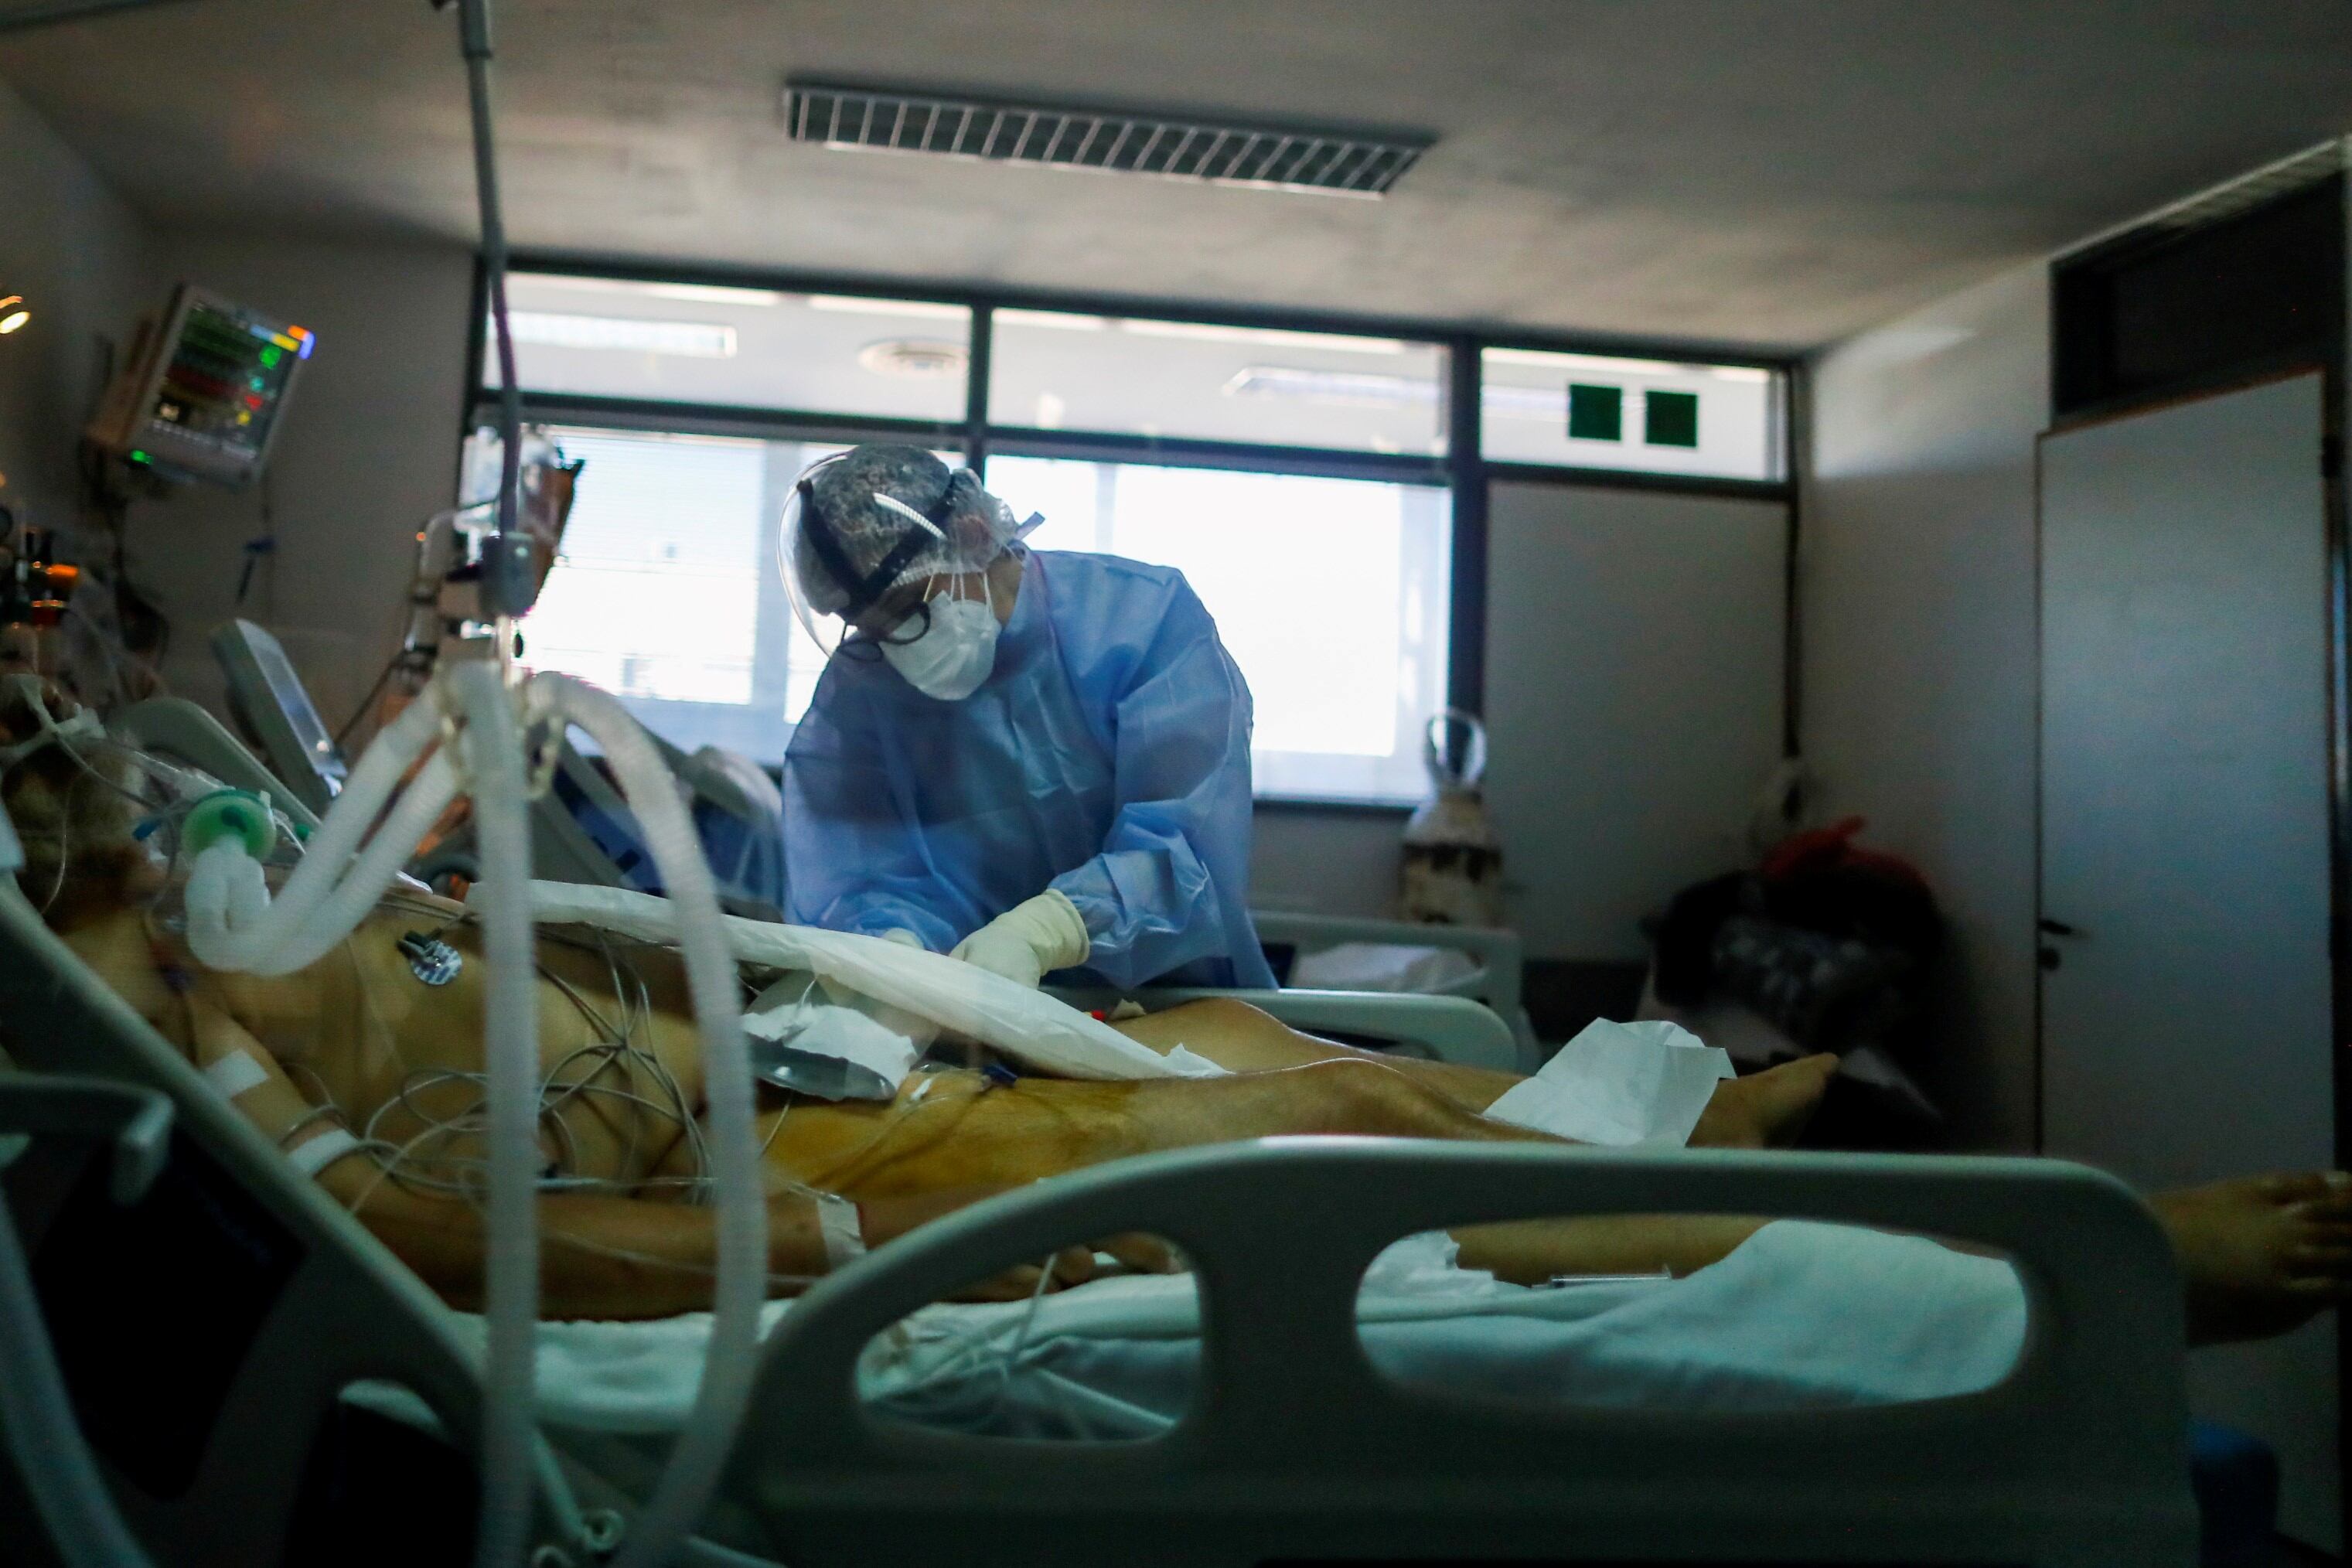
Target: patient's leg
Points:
(2261, 1254)
(1761, 1111)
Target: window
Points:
(1330, 595)
(1321, 540)
(743, 348)
(1055, 370)
(1590, 411)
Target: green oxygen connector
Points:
(229, 814)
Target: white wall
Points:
(1326, 862)
(84, 264)
(367, 451)
(1918, 588)
(1633, 660)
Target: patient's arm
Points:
(1765, 1109)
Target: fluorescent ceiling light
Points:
(686, 339)
(1362, 388)
(1059, 320)
(1208, 332)
(702, 293)
(715, 293)
(860, 305)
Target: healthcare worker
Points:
(1031, 760)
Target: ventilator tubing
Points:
(493, 755)
(742, 1242)
(234, 923)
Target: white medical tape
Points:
(836, 1222)
(324, 1150)
(84, 725)
(234, 1073)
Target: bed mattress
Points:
(1802, 1316)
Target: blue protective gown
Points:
(1107, 755)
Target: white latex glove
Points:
(903, 937)
(1033, 936)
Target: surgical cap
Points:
(870, 503)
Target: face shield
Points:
(871, 536)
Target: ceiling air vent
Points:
(1342, 162)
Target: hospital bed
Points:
(1492, 974)
(210, 1425)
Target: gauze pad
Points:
(1619, 1084)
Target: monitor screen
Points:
(219, 382)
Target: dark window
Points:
(1671, 419)
(2159, 312)
(1596, 413)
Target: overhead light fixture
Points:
(1358, 387)
(1056, 321)
(1330, 160)
(12, 314)
(862, 305)
(697, 293)
(919, 358)
(687, 339)
(1207, 333)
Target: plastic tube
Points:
(493, 756)
(702, 1447)
(36, 1420)
(228, 929)
(354, 898)
(323, 866)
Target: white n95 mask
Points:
(954, 654)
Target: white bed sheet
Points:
(1802, 1316)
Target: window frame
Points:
(1462, 470)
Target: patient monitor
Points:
(271, 704)
(200, 398)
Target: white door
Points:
(2185, 1028)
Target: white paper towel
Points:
(1619, 1084)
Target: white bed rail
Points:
(1498, 981)
(341, 1311)
(1296, 1448)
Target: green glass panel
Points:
(1596, 413)
(1671, 419)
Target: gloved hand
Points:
(1033, 936)
(903, 937)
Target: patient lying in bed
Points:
(360, 1045)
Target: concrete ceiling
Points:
(1767, 172)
